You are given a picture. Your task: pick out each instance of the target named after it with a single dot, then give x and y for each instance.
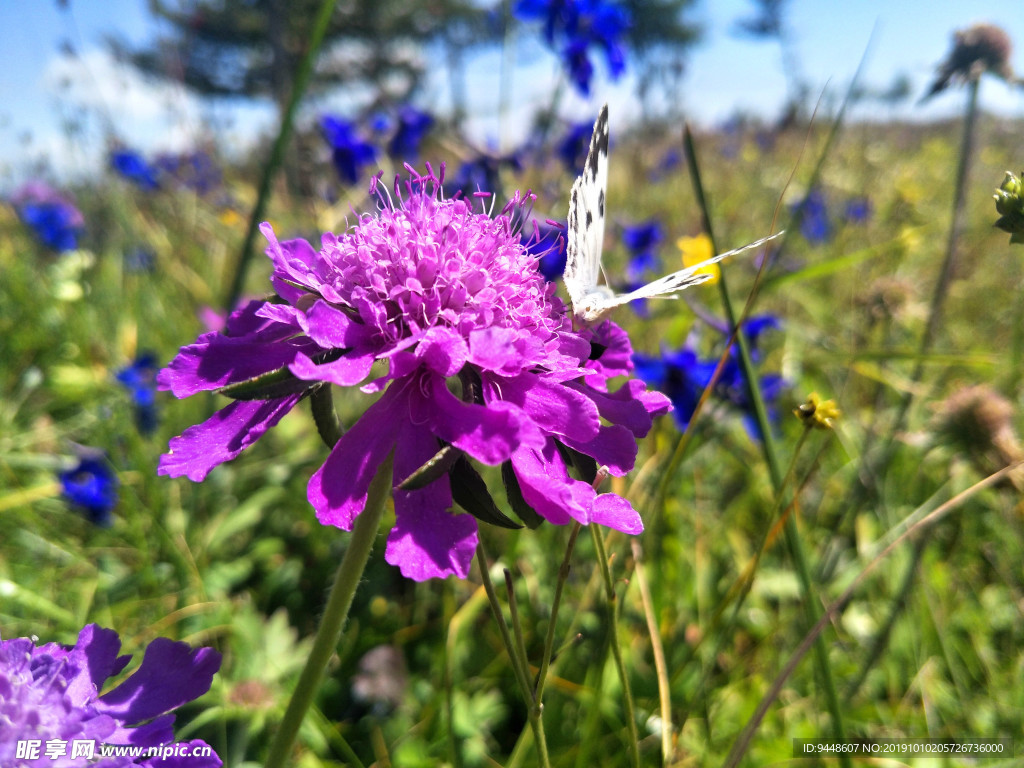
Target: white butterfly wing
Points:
(681, 280)
(585, 235)
(585, 238)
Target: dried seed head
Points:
(977, 49)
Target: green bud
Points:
(1010, 205)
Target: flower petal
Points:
(345, 371)
(171, 674)
(428, 541)
(338, 489)
(488, 433)
(223, 436)
(215, 361)
(553, 407)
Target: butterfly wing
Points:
(585, 234)
(678, 281)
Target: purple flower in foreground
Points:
(480, 361)
(50, 695)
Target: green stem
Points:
(613, 632)
(353, 563)
(519, 665)
(549, 640)
(305, 71)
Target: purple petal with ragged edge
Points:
(552, 406)
(487, 433)
(428, 541)
(614, 446)
(442, 350)
(95, 658)
(615, 360)
(346, 371)
(547, 487)
(223, 436)
(215, 361)
(331, 327)
(623, 406)
(613, 511)
(295, 261)
(338, 489)
(171, 674)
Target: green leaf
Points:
(514, 494)
(438, 464)
(470, 492)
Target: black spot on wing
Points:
(598, 144)
(590, 220)
(600, 203)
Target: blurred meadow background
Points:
(141, 142)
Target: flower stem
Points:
(549, 641)
(613, 630)
(302, 76)
(534, 710)
(364, 531)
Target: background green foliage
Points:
(239, 561)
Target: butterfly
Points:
(590, 301)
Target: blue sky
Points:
(40, 90)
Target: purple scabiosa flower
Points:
(133, 167)
(91, 486)
(50, 699)
(412, 127)
(50, 215)
(139, 379)
(813, 215)
(442, 312)
(683, 375)
(349, 152)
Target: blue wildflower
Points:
(51, 702)
(572, 149)
(193, 170)
(547, 243)
(412, 127)
(349, 153)
(683, 375)
(644, 236)
(92, 487)
(135, 169)
(813, 214)
(139, 379)
(53, 218)
(482, 174)
(858, 210)
(573, 27)
(139, 259)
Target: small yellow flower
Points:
(694, 250)
(818, 413)
(230, 217)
